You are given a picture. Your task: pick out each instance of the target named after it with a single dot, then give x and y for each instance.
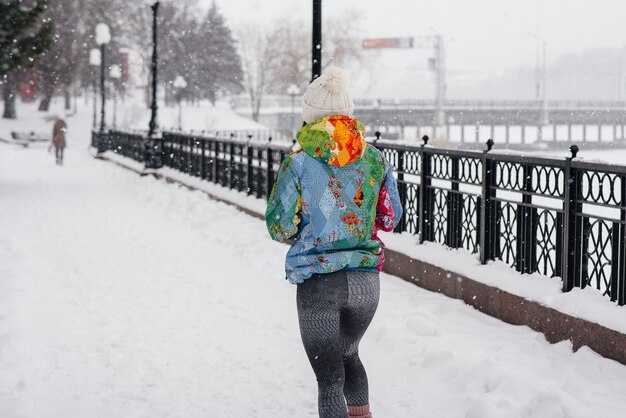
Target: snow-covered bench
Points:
(25, 138)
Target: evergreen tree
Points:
(22, 40)
(57, 69)
(176, 46)
(220, 63)
(204, 53)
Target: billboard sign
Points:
(379, 43)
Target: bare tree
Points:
(276, 59)
(293, 60)
(344, 46)
(257, 56)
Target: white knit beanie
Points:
(327, 96)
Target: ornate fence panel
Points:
(407, 164)
(558, 217)
(527, 213)
(244, 165)
(597, 229)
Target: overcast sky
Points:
(482, 37)
(480, 34)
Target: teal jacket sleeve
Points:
(282, 215)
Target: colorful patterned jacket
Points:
(331, 198)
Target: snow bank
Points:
(136, 115)
(124, 296)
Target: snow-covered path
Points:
(124, 297)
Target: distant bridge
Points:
(400, 114)
(492, 112)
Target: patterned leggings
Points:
(334, 311)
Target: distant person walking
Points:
(329, 201)
(58, 139)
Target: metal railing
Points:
(557, 217)
(245, 165)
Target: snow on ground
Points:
(135, 115)
(131, 114)
(123, 296)
(30, 120)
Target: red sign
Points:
(378, 43)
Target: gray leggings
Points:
(334, 311)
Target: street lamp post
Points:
(94, 62)
(542, 80)
(293, 91)
(154, 158)
(103, 37)
(115, 73)
(179, 85)
(317, 40)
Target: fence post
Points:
(487, 217)
(258, 173)
(180, 156)
(231, 165)
(197, 169)
(214, 145)
(190, 143)
(249, 152)
(621, 287)
(425, 202)
(269, 179)
(454, 203)
(202, 159)
(219, 172)
(570, 268)
(401, 191)
(526, 226)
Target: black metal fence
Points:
(560, 218)
(557, 217)
(245, 165)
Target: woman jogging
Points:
(329, 201)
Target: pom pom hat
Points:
(327, 96)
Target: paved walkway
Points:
(123, 296)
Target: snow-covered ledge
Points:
(582, 316)
(499, 291)
(586, 303)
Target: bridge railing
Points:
(557, 217)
